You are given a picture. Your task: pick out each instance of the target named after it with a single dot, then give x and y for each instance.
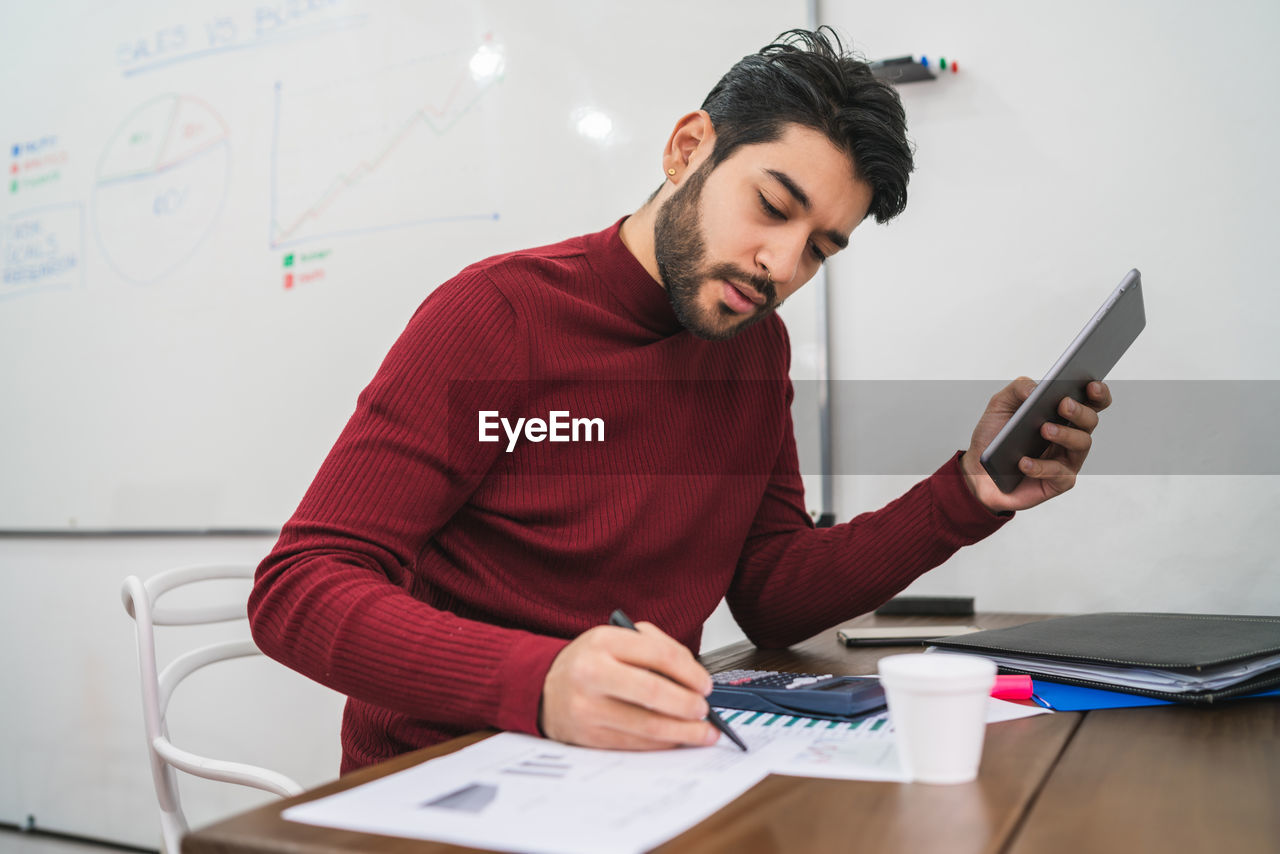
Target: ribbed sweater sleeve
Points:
(794, 580)
(322, 603)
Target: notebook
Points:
(1185, 658)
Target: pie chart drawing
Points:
(160, 186)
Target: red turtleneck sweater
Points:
(433, 577)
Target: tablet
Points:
(1091, 355)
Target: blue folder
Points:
(1072, 698)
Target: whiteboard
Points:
(1076, 141)
(218, 216)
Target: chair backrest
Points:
(140, 599)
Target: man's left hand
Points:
(1049, 475)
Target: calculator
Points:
(807, 694)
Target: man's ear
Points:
(691, 143)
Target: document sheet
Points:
(514, 792)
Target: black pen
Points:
(617, 618)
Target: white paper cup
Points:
(938, 708)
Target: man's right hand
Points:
(624, 689)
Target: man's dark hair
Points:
(807, 78)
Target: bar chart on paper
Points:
(861, 750)
(514, 792)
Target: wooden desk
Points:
(1163, 779)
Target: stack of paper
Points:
(518, 793)
(1144, 678)
(1180, 657)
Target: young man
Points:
(452, 565)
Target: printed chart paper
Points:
(515, 792)
(518, 793)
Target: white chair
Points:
(158, 686)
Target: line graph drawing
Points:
(381, 151)
(160, 185)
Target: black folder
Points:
(1234, 654)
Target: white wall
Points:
(1079, 140)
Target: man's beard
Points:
(681, 253)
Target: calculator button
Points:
(802, 681)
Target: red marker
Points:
(1012, 688)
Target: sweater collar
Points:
(629, 283)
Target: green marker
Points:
(288, 260)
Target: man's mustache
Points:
(736, 274)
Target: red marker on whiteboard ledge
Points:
(1012, 688)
